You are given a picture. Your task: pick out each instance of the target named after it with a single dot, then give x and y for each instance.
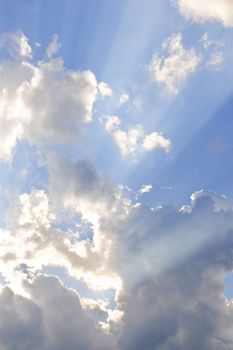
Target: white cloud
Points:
(145, 189)
(208, 10)
(53, 47)
(172, 69)
(12, 116)
(134, 141)
(123, 98)
(156, 140)
(104, 89)
(56, 114)
(33, 105)
(17, 44)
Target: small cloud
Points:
(134, 141)
(53, 47)
(207, 42)
(104, 89)
(124, 98)
(216, 59)
(156, 140)
(145, 189)
(176, 65)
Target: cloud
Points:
(172, 69)
(171, 263)
(12, 116)
(16, 44)
(86, 190)
(46, 320)
(210, 10)
(53, 47)
(104, 89)
(33, 106)
(67, 324)
(21, 325)
(207, 42)
(156, 140)
(145, 189)
(123, 98)
(216, 59)
(55, 114)
(134, 141)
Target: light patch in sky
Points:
(53, 47)
(216, 59)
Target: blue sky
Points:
(115, 174)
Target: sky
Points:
(116, 197)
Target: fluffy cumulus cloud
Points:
(134, 140)
(173, 68)
(58, 114)
(169, 266)
(51, 318)
(33, 105)
(172, 264)
(208, 10)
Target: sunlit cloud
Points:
(210, 10)
(176, 65)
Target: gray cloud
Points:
(21, 323)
